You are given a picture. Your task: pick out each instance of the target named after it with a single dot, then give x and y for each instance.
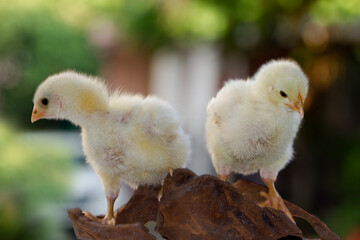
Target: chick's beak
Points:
(36, 115)
(298, 106)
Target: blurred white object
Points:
(85, 191)
(188, 79)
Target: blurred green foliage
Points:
(36, 45)
(32, 179)
(159, 22)
(336, 11)
(40, 37)
(347, 214)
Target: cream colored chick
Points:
(129, 138)
(252, 124)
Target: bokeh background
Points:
(182, 51)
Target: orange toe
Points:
(275, 202)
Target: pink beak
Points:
(298, 106)
(36, 115)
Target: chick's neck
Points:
(84, 119)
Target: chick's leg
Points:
(110, 217)
(111, 186)
(222, 171)
(273, 198)
(223, 174)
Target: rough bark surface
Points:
(251, 191)
(141, 208)
(86, 229)
(199, 207)
(130, 220)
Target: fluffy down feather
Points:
(252, 124)
(125, 137)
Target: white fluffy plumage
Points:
(125, 137)
(252, 124)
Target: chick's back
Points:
(146, 139)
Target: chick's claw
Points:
(276, 202)
(90, 216)
(223, 177)
(161, 193)
(106, 220)
(171, 171)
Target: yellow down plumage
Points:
(125, 138)
(251, 124)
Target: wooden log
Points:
(199, 207)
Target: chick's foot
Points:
(223, 174)
(276, 202)
(110, 217)
(273, 198)
(110, 220)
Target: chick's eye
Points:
(44, 101)
(283, 94)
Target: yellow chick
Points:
(124, 137)
(251, 125)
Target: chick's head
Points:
(283, 83)
(69, 95)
